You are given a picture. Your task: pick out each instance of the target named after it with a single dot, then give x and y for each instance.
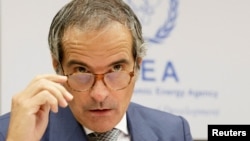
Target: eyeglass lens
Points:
(113, 80)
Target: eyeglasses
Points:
(117, 80)
(114, 80)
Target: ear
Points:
(55, 64)
(139, 62)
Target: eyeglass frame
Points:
(98, 77)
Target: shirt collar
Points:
(122, 126)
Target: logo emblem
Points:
(157, 17)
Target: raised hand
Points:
(30, 108)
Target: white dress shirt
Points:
(122, 126)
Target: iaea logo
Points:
(157, 17)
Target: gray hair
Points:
(94, 15)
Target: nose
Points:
(99, 91)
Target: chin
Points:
(102, 126)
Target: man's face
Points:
(99, 108)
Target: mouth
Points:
(100, 112)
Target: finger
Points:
(52, 77)
(55, 89)
(44, 84)
(42, 99)
(59, 92)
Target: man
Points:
(97, 48)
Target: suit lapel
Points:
(137, 125)
(64, 127)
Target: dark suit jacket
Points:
(145, 124)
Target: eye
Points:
(117, 67)
(81, 69)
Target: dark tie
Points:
(106, 136)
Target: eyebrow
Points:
(121, 61)
(73, 62)
(76, 62)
